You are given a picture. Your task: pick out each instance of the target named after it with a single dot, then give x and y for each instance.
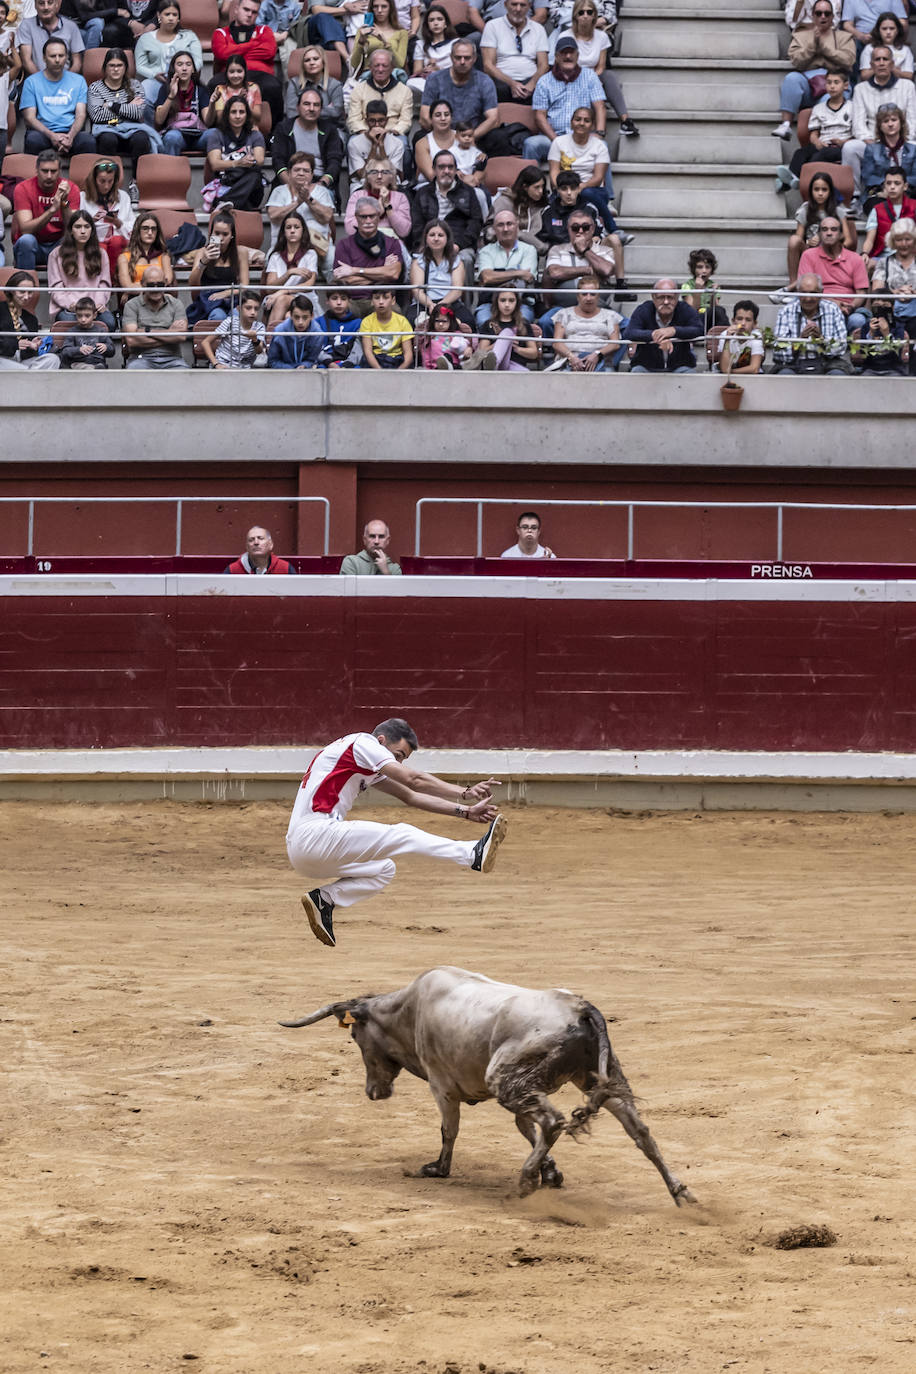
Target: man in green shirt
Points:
(372, 559)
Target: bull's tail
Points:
(611, 1084)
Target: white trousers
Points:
(352, 860)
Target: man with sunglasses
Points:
(881, 91)
(813, 51)
(514, 52)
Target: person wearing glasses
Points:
(514, 52)
(814, 51)
(528, 543)
(870, 98)
(663, 329)
(367, 258)
(799, 13)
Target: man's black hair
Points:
(396, 730)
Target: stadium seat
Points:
(19, 165)
(502, 171)
(249, 226)
(81, 164)
(457, 11)
(842, 177)
(712, 344)
(93, 59)
(172, 220)
(265, 123)
(201, 329)
(6, 273)
(804, 138)
(294, 65)
(512, 113)
(201, 17)
(163, 182)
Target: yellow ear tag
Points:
(345, 1021)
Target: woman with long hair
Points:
(181, 107)
(293, 265)
(146, 248)
(216, 269)
(316, 77)
(595, 50)
(77, 267)
(110, 208)
(506, 343)
(891, 148)
(440, 139)
(888, 33)
(527, 199)
(821, 204)
(154, 51)
(235, 156)
(117, 111)
(235, 82)
(436, 272)
(20, 334)
(433, 46)
(384, 32)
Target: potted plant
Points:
(732, 395)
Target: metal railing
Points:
(631, 507)
(179, 501)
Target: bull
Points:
(473, 1039)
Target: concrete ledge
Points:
(651, 780)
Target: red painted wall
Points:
(120, 671)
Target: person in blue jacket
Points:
(339, 328)
(296, 343)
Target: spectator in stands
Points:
(20, 334)
(258, 45)
(810, 333)
(146, 249)
(376, 145)
(566, 198)
(441, 138)
(292, 265)
(860, 17)
(480, 12)
(433, 52)
(843, 274)
(813, 52)
(867, 98)
(235, 81)
(42, 204)
(240, 340)
(700, 288)
(339, 330)
(508, 262)
(316, 77)
(559, 96)
(381, 85)
(325, 26)
(891, 148)
(259, 559)
(181, 106)
(110, 208)
(895, 204)
(280, 15)
(528, 543)
(386, 336)
(820, 205)
(888, 32)
(586, 336)
(129, 23)
(581, 254)
(216, 270)
(48, 22)
(663, 329)
(444, 343)
(87, 346)
(514, 342)
(584, 152)
(880, 352)
(77, 268)
(393, 204)
(10, 68)
(829, 128)
(799, 13)
(117, 111)
(235, 156)
(53, 106)
(896, 274)
(741, 349)
(437, 272)
(372, 559)
(367, 258)
(311, 133)
(463, 216)
(527, 199)
(513, 51)
(382, 32)
(154, 325)
(471, 93)
(315, 203)
(595, 48)
(296, 344)
(155, 51)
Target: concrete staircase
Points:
(702, 84)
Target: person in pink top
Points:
(352, 860)
(843, 273)
(77, 268)
(380, 179)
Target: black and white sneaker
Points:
(320, 915)
(485, 849)
(628, 128)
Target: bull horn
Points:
(331, 1010)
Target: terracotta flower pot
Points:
(732, 396)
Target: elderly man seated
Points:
(507, 263)
(259, 559)
(663, 329)
(372, 559)
(367, 257)
(810, 333)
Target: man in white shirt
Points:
(882, 88)
(528, 530)
(514, 52)
(352, 860)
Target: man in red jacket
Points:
(258, 45)
(259, 557)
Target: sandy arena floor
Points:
(187, 1186)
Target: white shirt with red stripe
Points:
(336, 777)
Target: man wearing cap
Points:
(567, 87)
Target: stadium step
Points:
(683, 152)
(716, 199)
(715, 10)
(661, 39)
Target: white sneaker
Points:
(781, 297)
(783, 130)
(556, 365)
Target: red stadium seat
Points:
(19, 165)
(512, 113)
(201, 17)
(457, 11)
(201, 329)
(93, 59)
(7, 272)
(502, 171)
(81, 164)
(294, 66)
(163, 181)
(801, 130)
(172, 220)
(249, 226)
(841, 176)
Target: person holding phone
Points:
(110, 208)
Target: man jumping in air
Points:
(351, 860)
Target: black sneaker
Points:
(485, 849)
(621, 294)
(628, 129)
(319, 913)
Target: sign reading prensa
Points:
(781, 570)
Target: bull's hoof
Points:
(551, 1177)
(683, 1195)
(434, 1170)
(527, 1185)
